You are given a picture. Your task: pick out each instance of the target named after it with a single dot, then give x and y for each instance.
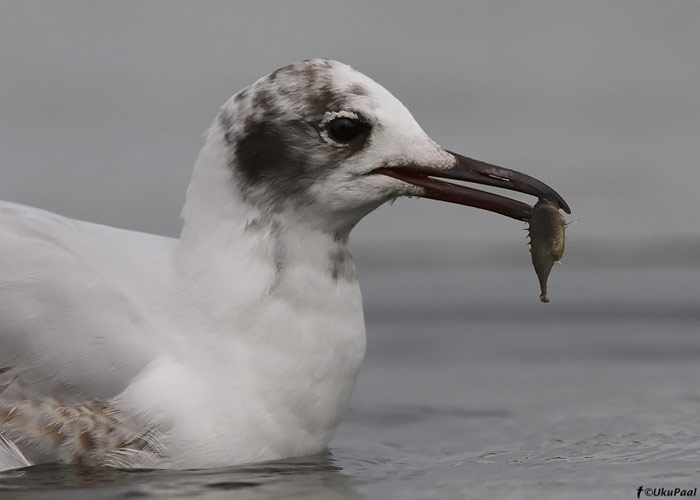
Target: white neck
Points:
(232, 255)
(277, 320)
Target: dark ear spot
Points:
(272, 154)
(276, 162)
(274, 133)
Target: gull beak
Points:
(479, 172)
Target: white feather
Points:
(74, 307)
(216, 351)
(11, 457)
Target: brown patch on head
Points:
(357, 89)
(263, 99)
(305, 90)
(274, 132)
(226, 124)
(277, 146)
(240, 95)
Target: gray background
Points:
(471, 388)
(103, 106)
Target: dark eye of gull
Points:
(344, 129)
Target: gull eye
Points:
(343, 129)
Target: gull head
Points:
(323, 143)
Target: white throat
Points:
(227, 241)
(280, 330)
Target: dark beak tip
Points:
(486, 173)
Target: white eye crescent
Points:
(342, 127)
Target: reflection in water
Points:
(309, 477)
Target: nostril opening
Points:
(498, 178)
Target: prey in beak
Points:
(471, 170)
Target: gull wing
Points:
(79, 302)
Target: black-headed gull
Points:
(241, 340)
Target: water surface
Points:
(473, 389)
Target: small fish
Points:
(546, 240)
